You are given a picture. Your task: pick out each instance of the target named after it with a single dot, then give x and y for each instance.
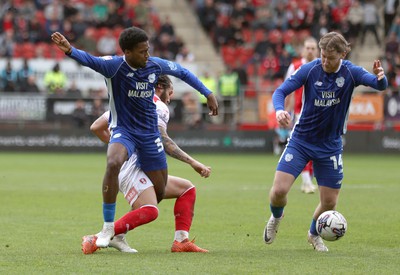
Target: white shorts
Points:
(132, 180)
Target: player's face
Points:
(138, 56)
(167, 94)
(331, 60)
(310, 51)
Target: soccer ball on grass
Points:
(331, 225)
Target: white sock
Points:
(306, 177)
(181, 235)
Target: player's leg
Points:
(153, 162)
(144, 210)
(185, 193)
(328, 200)
(329, 175)
(290, 165)
(116, 156)
(138, 190)
(159, 179)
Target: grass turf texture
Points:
(48, 201)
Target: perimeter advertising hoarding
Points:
(191, 141)
(17, 108)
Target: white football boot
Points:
(271, 229)
(317, 242)
(119, 242)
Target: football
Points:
(331, 225)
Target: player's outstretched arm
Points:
(62, 42)
(172, 149)
(212, 104)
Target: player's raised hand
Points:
(61, 42)
(378, 69)
(212, 104)
(283, 118)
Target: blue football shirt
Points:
(326, 98)
(131, 90)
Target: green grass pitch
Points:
(48, 201)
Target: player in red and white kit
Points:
(138, 190)
(309, 53)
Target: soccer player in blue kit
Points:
(328, 82)
(131, 81)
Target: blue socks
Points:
(313, 230)
(277, 212)
(108, 212)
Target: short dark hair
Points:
(130, 37)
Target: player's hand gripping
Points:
(200, 168)
(212, 104)
(283, 118)
(61, 42)
(378, 70)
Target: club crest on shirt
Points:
(171, 65)
(340, 81)
(152, 78)
(288, 157)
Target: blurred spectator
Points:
(396, 27)
(55, 81)
(389, 13)
(241, 72)
(191, 111)
(54, 11)
(73, 91)
(30, 86)
(208, 14)
(114, 17)
(270, 64)
(222, 33)
(79, 115)
(88, 41)
(285, 59)
(321, 28)
(7, 43)
(261, 47)
(36, 33)
(97, 109)
(107, 44)
(355, 17)
(24, 74)
(228, 86)
(79, 25)
(211, 83)
(339, 13)
(370, 21)
(9, 78)
(167, 27)
(142, 14)
(184, 55)
(100, 13)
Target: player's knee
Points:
(113, 166)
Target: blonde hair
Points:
(334, 41)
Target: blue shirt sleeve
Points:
(105, 65)
(174, 69)
(291, 84)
